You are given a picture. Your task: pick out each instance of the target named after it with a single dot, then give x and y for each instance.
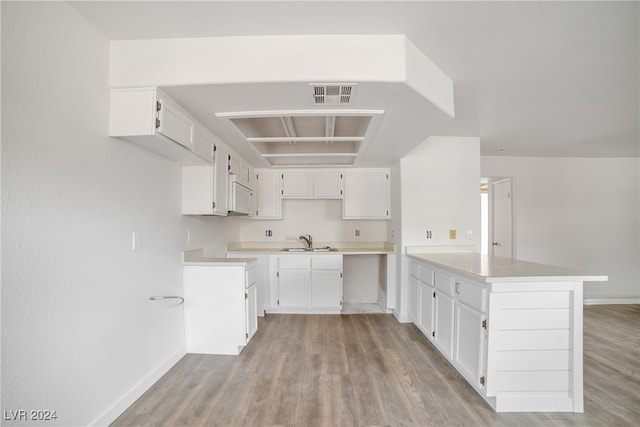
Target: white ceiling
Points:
(530, 78)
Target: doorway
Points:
(496, 201)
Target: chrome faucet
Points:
(308, 239)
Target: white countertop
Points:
(343, 248)
(195, 257)
(492, 269)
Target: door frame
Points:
(491, 181)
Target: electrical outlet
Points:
(469, 235)
(429, 234)
(452, 234)
(357, 233)
(268, 233)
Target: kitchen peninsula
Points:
(512, 329)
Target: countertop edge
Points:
(492, 278)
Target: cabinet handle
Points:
(156, 298)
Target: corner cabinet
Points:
(151, 119)
(307, 284)
(366, 194)
(220, 307)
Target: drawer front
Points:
(326, 262)
(444, 283)
(414, 269)
(426, 275)
(472, 295)
(294, 262)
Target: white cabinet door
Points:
(292, 288)
(297, 184)
(174, 123)
(326, 289)
(214, 309)
(425, 317)
(221, 179)
(203, 142)
(268, 200)
(251, 310)
(198, 190)
(414, 299)
(366, 194)
(444, 317)
(327, 184)
(469, 345)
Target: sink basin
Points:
(324, 249)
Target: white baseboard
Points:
(119, 406)
(597, 301)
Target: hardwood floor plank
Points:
(368, 369)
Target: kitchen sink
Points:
(324, 249)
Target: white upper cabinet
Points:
(312, 184)
(205, 188)
(241, 170)
(327, 184)
(268, 201)
(149, 118)
(297, 184)
(366, 194)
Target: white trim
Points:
(597, 301)
(120, 405)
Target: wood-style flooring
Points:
(368, 369)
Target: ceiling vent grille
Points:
(333, 94)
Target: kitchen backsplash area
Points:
(320, 218)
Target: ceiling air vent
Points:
(333, 94)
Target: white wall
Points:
(440, 191)
(581, 213)
(79, 334)
(320, 218)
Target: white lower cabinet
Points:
(426, 305)
(292, 288)
(414, 298)
(470, 344)
(307, 284)
(326, 289)
(220, 308)
(450, 312)
(444, 319)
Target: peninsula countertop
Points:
(490, 269)
(344, 248)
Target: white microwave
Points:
(240, 197)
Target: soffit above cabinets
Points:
(307, 137)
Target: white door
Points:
(502, 225)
